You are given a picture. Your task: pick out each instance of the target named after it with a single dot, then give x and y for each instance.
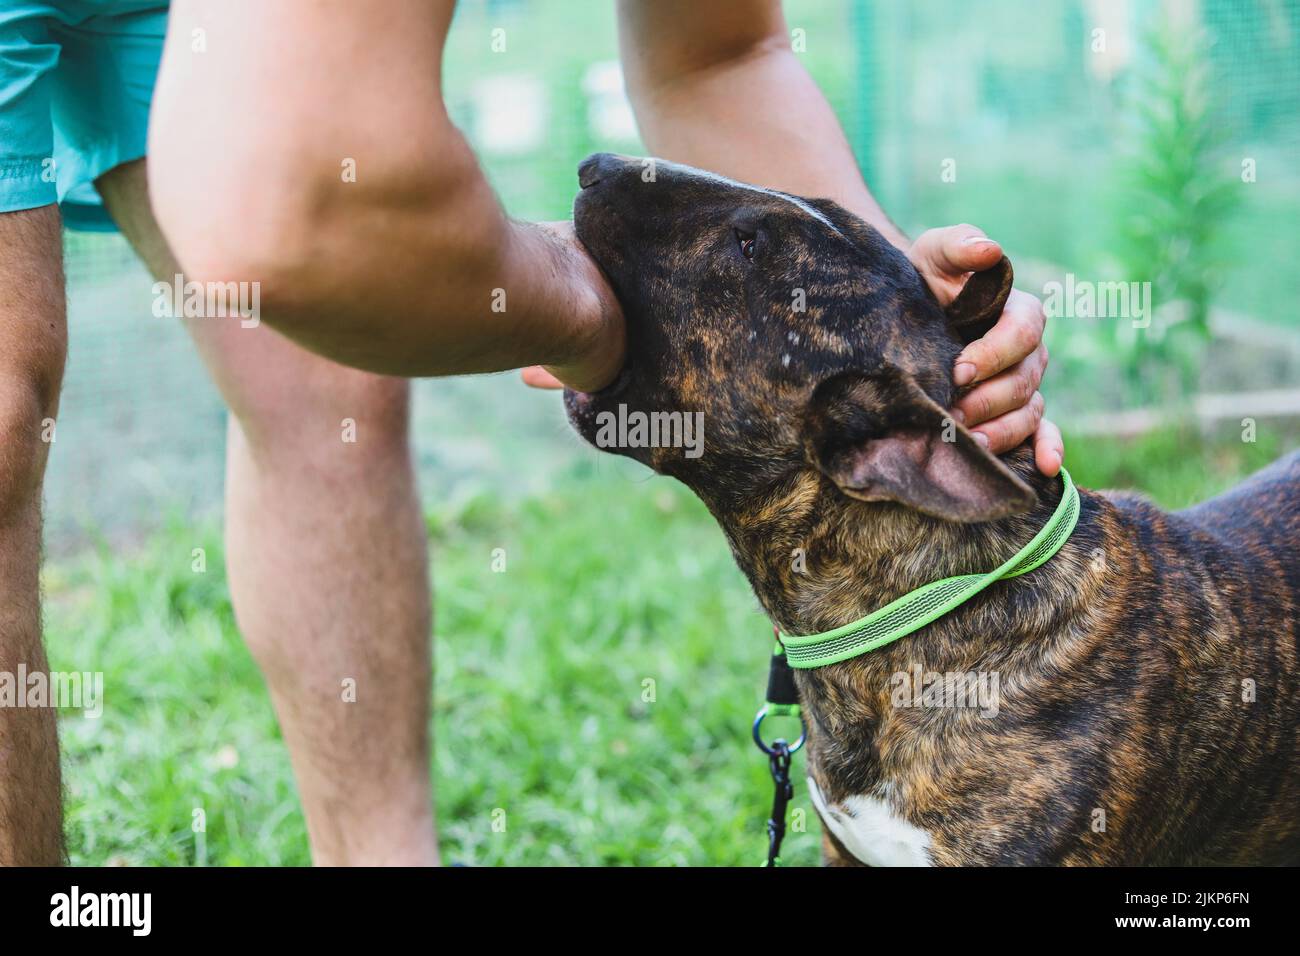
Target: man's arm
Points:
(716, 85)
(412, 268)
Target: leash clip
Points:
(782, 701)
(784, 793)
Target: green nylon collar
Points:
(918, 608)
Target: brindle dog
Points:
(1149, 695)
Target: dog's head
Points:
(793, 332)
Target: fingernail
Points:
(972, 240)
(982, 438)
(959, 415)
(963, 373)
(1059, 460)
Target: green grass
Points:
(1176, 467)
(609, 583)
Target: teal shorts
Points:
(76, 79)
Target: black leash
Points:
(782, 701)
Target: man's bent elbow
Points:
(223, 229)
(326, 259)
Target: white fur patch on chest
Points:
(871, 830)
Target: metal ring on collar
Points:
(758, 735)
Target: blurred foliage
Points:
(1176, 195)
(1177, 466)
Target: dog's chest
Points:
(870, 829)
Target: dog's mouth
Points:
(595, 223)
(614, 388)
(582, 406)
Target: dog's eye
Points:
(746, 242)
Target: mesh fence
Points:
(1031, 118)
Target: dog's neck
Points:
(818, 559)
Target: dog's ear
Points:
(879, 437)
(980, 303)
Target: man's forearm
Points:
(407, 264)
(742, 104)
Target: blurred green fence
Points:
(1098, 140)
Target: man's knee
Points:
(29, 401)
(332, 420)
(33, 345)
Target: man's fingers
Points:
(537, 377)
(1009, 360)
(1005, 392)
(945, 256)
(1007, 431)
(1017, 334)
(1049, 448)
(964, 249)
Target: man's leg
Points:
(33, 341)
(326, 557)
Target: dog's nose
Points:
(596, 167)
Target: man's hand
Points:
(1008, 363)
(600, 356)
